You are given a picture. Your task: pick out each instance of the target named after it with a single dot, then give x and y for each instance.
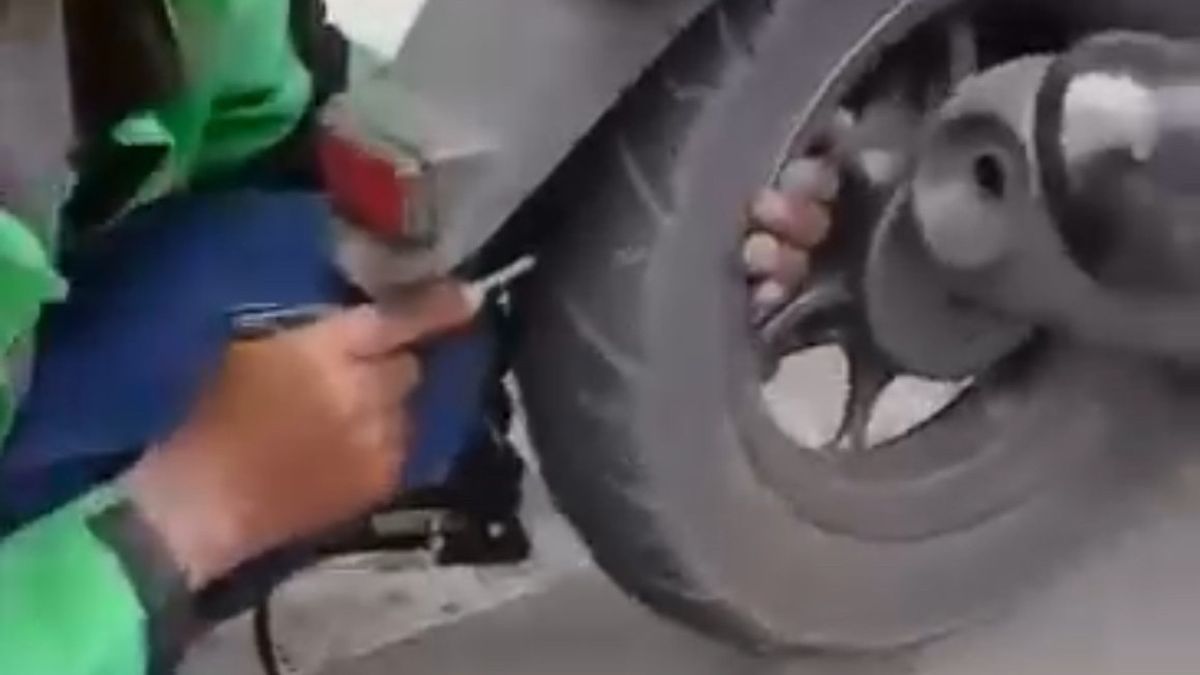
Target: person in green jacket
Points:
(145, 455)
(284, 438)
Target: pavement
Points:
(1132, 611)
(1132, 608)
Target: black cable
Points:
(264, 640)
(362, 543)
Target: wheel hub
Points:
(993, 175)
(976, 253)
(970, 159)
(1003, 218)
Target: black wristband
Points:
(157, 578)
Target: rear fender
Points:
(491, 96)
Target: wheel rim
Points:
(981, 449)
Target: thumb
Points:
(406, 321)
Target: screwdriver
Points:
(257, 321)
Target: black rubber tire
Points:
(638, 377)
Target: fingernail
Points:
(769, 295)
(812, 177)
(761, 253)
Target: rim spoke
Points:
(868, 378)
(796, 326)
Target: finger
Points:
(768, 295)
(811, 178)
(792, 268)
(797, 222)
(766, 258)
(408, 320)
(760, 254)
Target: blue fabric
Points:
(120, 363)
(449, 406)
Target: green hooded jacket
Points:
(67, 605)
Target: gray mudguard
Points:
(492, 95)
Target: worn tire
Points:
(639, 383)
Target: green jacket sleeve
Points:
(66, 605)
(27, 281)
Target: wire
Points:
(264, 640)
(262, 628)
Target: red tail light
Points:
(370, 189)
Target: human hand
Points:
(296, 434)
(789, 221)
(785, 226)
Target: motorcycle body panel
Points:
(491, 96)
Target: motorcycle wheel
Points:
(641, 369)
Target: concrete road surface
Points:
(1133, 608)
(582, 627)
